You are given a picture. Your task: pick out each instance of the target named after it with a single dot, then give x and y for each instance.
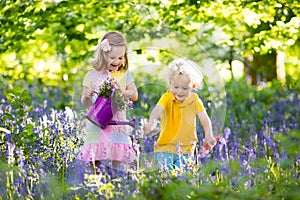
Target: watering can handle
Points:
(95, 96)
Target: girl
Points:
(178, 108)
(113, 143)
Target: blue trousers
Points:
(171, 160)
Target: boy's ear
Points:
(194, 85)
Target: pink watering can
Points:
(101, 113)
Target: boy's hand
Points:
(151, 127)
(148, 127)
(211, 141)
(207, 147)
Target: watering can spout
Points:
(130, 123)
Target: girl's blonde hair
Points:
(184, 67)
(115, 39)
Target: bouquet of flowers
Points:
(110, 87)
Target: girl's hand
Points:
(131, 92)
(115, 83)
(127, 93)
(86, 99)
(88, 93)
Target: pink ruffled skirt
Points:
(112, 143)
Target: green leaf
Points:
(25, 97)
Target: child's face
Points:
(181, 87)
(116, 58)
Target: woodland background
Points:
(247, 51)
(48, 43)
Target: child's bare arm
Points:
(206, 123)
(154, 115)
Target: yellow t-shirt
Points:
(178, 123)
(123, 77)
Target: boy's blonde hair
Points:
(184, 67)
(99, 62)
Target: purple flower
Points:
(227, 132)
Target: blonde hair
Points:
(184, 67)
(99, 62)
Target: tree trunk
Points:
(280, 68)
(262, 67)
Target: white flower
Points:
(104, 45)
